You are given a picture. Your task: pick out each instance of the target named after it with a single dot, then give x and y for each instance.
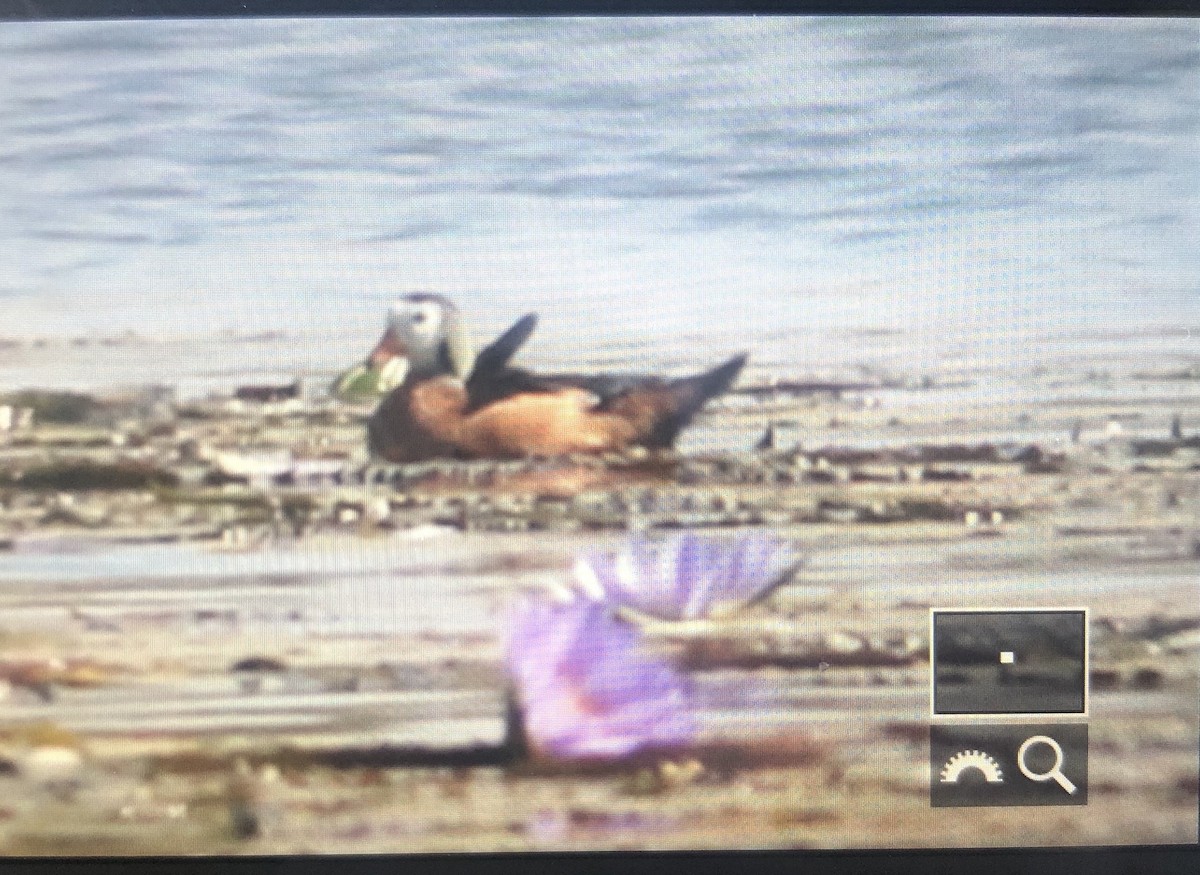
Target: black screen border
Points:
(1126, 860)
(1084, 860)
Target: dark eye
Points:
(418, 318)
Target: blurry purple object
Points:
(584, 688)
(687, 577)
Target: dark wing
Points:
(497, 354)
(487, 387)
(491, 378)
(606, 386)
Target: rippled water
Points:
(663, 191)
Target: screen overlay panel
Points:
(425, 435)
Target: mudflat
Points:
(223, 630)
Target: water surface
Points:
(230, 199)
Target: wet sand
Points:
(246, 639)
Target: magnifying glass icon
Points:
(1055, 771)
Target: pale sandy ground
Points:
(390, 638)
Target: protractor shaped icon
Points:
(972, 759)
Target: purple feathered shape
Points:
(586, 690)
(687, 577)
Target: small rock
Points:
(841, 514)
(378, 510)
(237, 538)
(245, 801)
(680, 774)
(769, 439)
(244, 820)
(269, 774)
(264, 394)
(843, 643)
(1105, 679)
(1183, 642)
(51, 764)
(1147, 679)
(257, 468)
(258, 663)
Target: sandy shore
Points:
(245, 639)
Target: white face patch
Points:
(421, 327)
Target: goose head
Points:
(426, 336)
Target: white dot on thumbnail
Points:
(1007, 657)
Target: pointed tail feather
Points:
(689, 394)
